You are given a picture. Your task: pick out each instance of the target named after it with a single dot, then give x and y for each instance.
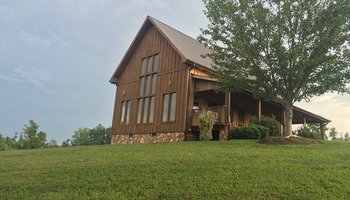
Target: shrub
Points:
(251, 131)
(206, 122)
(273, 126)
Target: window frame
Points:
(169, 107)
(147, 89)
(125, 112)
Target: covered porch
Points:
(236, 109)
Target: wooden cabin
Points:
(163, 83)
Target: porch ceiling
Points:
(299, 114)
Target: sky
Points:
(57, 56)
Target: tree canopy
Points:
(291, 49)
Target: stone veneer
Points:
(148, 138)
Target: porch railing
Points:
(221, 113)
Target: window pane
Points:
(148, 84)
(142, 85)
(139, 111)
(154, 83)
(156, 58)
(165, 107)
(173, 107)
(123, 112)
(145, 111)
(144, 64)
(151, 110)
(149, 69)
(128, 112)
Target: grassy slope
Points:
(188, 170)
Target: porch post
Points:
(322, 127)
(259, 109)
(283, 121)
(304, 124)
(189, 112)
(228, 106)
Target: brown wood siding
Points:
(171, 77)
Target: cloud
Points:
(8, 78)
(35, 77)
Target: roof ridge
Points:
(176, 30)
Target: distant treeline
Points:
(31, 138)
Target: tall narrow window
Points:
(125, 114)
(139, 111)
(150, 64)
(148, 85)
(144, 65)
(145, 111)
(128, 106)
(169, 107)
(154, 84)
(142, 86)
(156, 60)
(122, 118)
(165, 107)
(173, 107)
(151, 110)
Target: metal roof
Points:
(190, 48)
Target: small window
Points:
(125, 114)
(169, 107)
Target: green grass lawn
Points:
(187, 170)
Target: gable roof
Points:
(187, 47)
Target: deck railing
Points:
(221, 113)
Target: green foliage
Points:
(310, 131)
(273, 126)
(32, 139)
(333, 133)
(236, 169)
(66, 143)
(81, 137)
(94, 136)
(207, 119)
(292, 49)
(250, 131)
(52, 144)
(346, 137)
(7, 143)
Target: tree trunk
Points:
(289, 118)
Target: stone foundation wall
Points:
(148, 138)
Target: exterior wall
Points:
(171, 77)
(148, 138)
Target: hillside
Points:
(187, 170)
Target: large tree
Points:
(291, 49)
